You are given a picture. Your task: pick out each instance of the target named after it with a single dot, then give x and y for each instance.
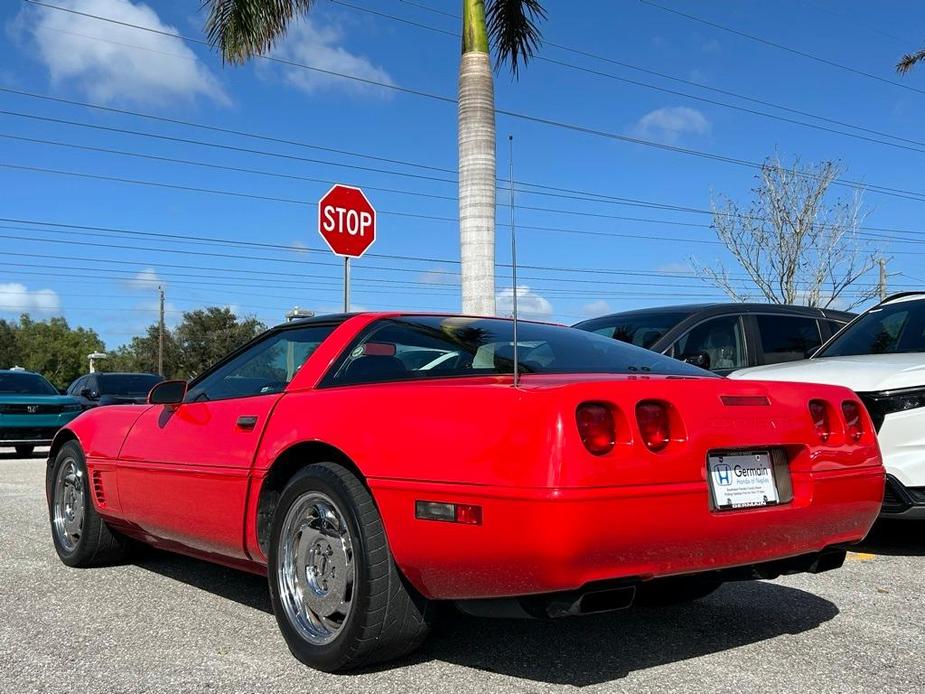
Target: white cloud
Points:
(675, 268)
(529, 304)
(438, 276)
(17, 298)
(596, 308)
(308, 43)
(711, 47)
(670, 123)
(127, 65)
(145, 280)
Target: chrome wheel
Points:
(69, 504)
(315, 568)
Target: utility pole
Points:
(882, 284)
(160, 333)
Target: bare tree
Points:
(795, 244)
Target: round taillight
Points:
(819, 412)
(852, 412)
(596, 427)
(654, 424)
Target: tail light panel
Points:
(822, 422)
(854, 420)
(597, 427)
(654, 420)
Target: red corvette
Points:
(372, 464)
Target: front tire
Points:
(24, 451)
(80, 536)
(338, 597)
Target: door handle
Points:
(247, 422)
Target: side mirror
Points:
(89, 394)
(168, 393)
(701, 359)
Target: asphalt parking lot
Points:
(172, 624)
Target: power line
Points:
(632, 202)
(550, 122)
(648, 85)
(782, 47)
(254, 196)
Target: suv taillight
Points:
(855, 426)
(819, 411)
(654, 424)
(596, 427)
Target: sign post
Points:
(347, 223)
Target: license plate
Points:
(740, 480)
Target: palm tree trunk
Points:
(476, 165)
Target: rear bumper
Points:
(534, 541)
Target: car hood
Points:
(864, 373)
(16, 399)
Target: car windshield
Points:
(395, 349)
(891, 329)
(12, 383)
(128, 385)
(640, 329)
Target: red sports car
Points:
(372, 464)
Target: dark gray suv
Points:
(724, 337)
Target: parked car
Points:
(31, 410)
(724, 337)
(881, 356)
(367, 482)
(113, 388)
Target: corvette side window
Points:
(266, 367)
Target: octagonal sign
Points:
(346, 221)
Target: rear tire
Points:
(677, 590)
(338, 597)
(80, 536)
(24, 451)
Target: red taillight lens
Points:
(852, 412)
(654, 424)
(820, 414)
(596, 427)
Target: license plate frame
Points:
(742, 479)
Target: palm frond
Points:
(907, 61)
(513, 30)
(241, 29)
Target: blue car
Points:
(31, 410)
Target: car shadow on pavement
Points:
(900, 538)
(579, 651)
(245, 588)
(596, 649)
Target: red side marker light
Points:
(596, 427)
(654, 424)
(467, 514)
(820, 414)
(852, 412)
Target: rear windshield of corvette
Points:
(421, 347)
(891, 329)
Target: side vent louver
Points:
(98, 489)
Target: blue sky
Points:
(261, 254)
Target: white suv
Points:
(881, 356)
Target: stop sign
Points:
(346, 221)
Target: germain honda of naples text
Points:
(373, 464)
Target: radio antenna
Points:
(510, 141)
